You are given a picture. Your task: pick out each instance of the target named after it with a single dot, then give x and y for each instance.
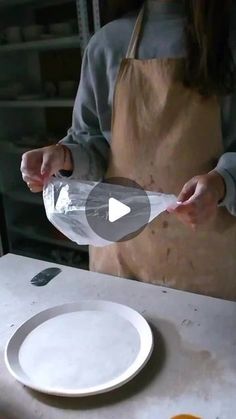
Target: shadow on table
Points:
(135, 386)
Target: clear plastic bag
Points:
(66, 204)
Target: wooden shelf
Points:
(43, 103)
(33, 234)
(59, 255)
(44, 44)
(4, 3)
(21, 195)
(9, 147)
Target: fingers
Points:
(31, 178)
(197, 211)
(47, 168)
(200, 207)
(28, 174)
(198, 201)
(192, 206)
(192, 219)
(30, 171)
(188, 221)
(185, 195)
(30, 166)
(188, 190)
(34, 187)
(52, 161)
(39, 165)
(197, 204)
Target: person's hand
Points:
(199, 199)
(38, 165)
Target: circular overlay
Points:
(117, 209)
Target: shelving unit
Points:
(52, 254)
(33, 64)
(42, 103)
(37, 236)
(4, 3)
(23, 195)
(9, 147)
(43, 44)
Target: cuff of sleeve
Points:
(230, 197)
(80, 162)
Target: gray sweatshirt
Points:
(162, 36)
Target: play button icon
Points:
(117, 210)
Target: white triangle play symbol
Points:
(117, 210)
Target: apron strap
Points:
(132, 48)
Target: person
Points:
(156, 104)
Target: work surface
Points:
(192, 369)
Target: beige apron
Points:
(163, 134)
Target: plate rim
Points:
(92, 390)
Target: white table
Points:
(193, 367)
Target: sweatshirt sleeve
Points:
(226, 167)
(88, 146)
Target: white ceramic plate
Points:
(80, 349)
